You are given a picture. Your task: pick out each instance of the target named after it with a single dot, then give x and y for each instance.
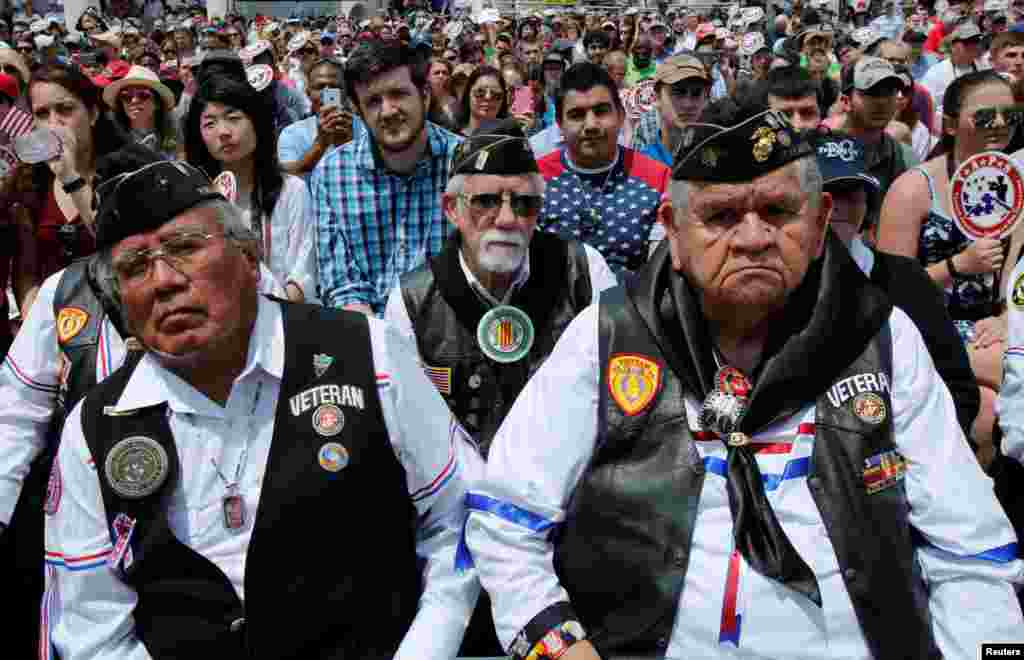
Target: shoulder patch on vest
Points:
(70, 321)
(633, 381)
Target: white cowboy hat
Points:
(139, 76)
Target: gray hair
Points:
(811, 183)
(457, 184)
(228, 216)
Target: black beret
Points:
(733, 154)
(497, 147)
(137, 192)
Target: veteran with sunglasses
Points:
(248, 418)
(485, 313)
(744, 451)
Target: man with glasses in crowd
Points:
(965, 57)
(242, 421)
(486, 312)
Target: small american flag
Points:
(16, 123)
(441, 377)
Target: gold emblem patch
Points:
(869, 407)
(633, 381)
(1017, 296)
(70, 321)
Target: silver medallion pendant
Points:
(722, 412)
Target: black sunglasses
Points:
(523, 205)
(1013, 115)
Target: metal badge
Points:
(722, 412)
(869, 408)
(738, 439)
(234, 510)
(333, 457)
(505, 334)
(328, 420)
(136, 467)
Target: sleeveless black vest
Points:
(632, 517)
(331, 571)
(445, 312)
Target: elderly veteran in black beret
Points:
(745, 451)
(192, 483)
(855, 196)
(487, 311)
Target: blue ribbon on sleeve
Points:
(503, 510)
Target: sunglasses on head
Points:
(1013, 115)
(129, 95)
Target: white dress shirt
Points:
(542, 450)
(31, 377)
(601, 278)
(88, 609)
(289, 242)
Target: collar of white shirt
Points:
(522, 275)
(862, 255)
(152, 384)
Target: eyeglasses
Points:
(488, 205)
(139, 95)
(482, 93)
(1013, 115)
(182, 251)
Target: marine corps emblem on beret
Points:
(633, 381)
(764, 143)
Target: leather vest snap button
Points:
(850, 573)
(815, 482)
(662, 642)
(238, 624)
(474, 381)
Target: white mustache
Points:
(502, 236)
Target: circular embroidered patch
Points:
(328, 419)
(136, 467)
(333, 457)
(505, 334)
(986, 195)
(869, 408)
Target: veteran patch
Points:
(1017, 295)
(883, 470)
(633, 381)
(70, 321)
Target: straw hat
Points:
(139, 76)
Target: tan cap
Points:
(680, 67)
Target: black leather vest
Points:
(445, 312)
(632, 516)
(76, 297)
(331, 571)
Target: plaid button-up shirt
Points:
(373, 225)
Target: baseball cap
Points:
(841, 158)
(680, 67)
(868, 72)
(967, 31)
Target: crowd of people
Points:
(564, 334)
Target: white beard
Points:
(502, 259)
